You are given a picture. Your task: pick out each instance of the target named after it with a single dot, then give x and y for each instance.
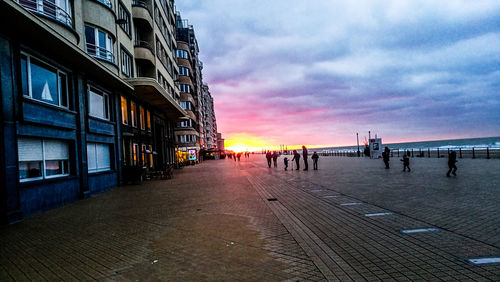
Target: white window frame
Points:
(183, 71)
(58, 74)
(97, 169)
(185, 88)
(106, 102)
(44, 166)
(126, 61)
(109, 45)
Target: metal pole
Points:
(357, 140)
(428, 152)
(473, 153)
(438, 153)
(460, 152)
(487, 152)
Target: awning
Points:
(151, 92)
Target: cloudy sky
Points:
(316, 72)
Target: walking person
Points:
(275, 159)
(452, 160)
(268, 157)
(296, 157)
(385, 156)
(285, 161)
(406, 162)
(315, 158)
(304, 154)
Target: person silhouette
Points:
(452, 159)
(285, 161)
(296, 157)
(275, 159)
(406, 162)
(304, 154)
(268, 157)
(385, 156)
(315, 158)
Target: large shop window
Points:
(42, 82)
(133, 114)
(41, 159)
(142, 122)
(98, 157)
(98, 103)
(99, 44)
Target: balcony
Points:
(144, 51)
(49, 10)
(142, 14)
(100, 53)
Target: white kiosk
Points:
(376, 148)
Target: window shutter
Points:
(29, 149)
(91, 157)
(103, 158)
(56, 150)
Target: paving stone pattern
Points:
(214, 222)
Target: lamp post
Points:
(357, 140)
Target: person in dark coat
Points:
(304, 154)
(315, 158)
(296, 157)
(285, 161)
(385, 156)
(239, 155)
(452, 159)
(269, 157)
(275, 159)
(406, 162)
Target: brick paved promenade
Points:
(214, 222)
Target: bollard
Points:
(487, 152)
(473, 153)
(438, 154)
(460, 152)
(428, 152)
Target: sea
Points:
(469, 143)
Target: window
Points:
(98, 157)
(143, 155)
(186, 105)
(186, 138)
(133, 114)
(182, 54)
(41, 159)
(124, 16)
(98, 103)
(185, 88)
(99, 44)
(184, 71)
(59, 10)
(106, 3)
(186, 123)
(124, 110)
(43, 82)
(148, 123)
(141, 118)
(126, 59)
(135, 152)
(150, 148)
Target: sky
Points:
(317, 72)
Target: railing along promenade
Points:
(468, 152)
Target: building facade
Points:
(88, 97)
(209, 119)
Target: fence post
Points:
(460, 152)
(487, 152)
(473, 153)
(438, 153)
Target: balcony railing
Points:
(106, 3)
(144, 44)
(100, 52)
(144, 4)
(49, 10)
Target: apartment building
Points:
(88, 96)
(189, 133)
(209, 119)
